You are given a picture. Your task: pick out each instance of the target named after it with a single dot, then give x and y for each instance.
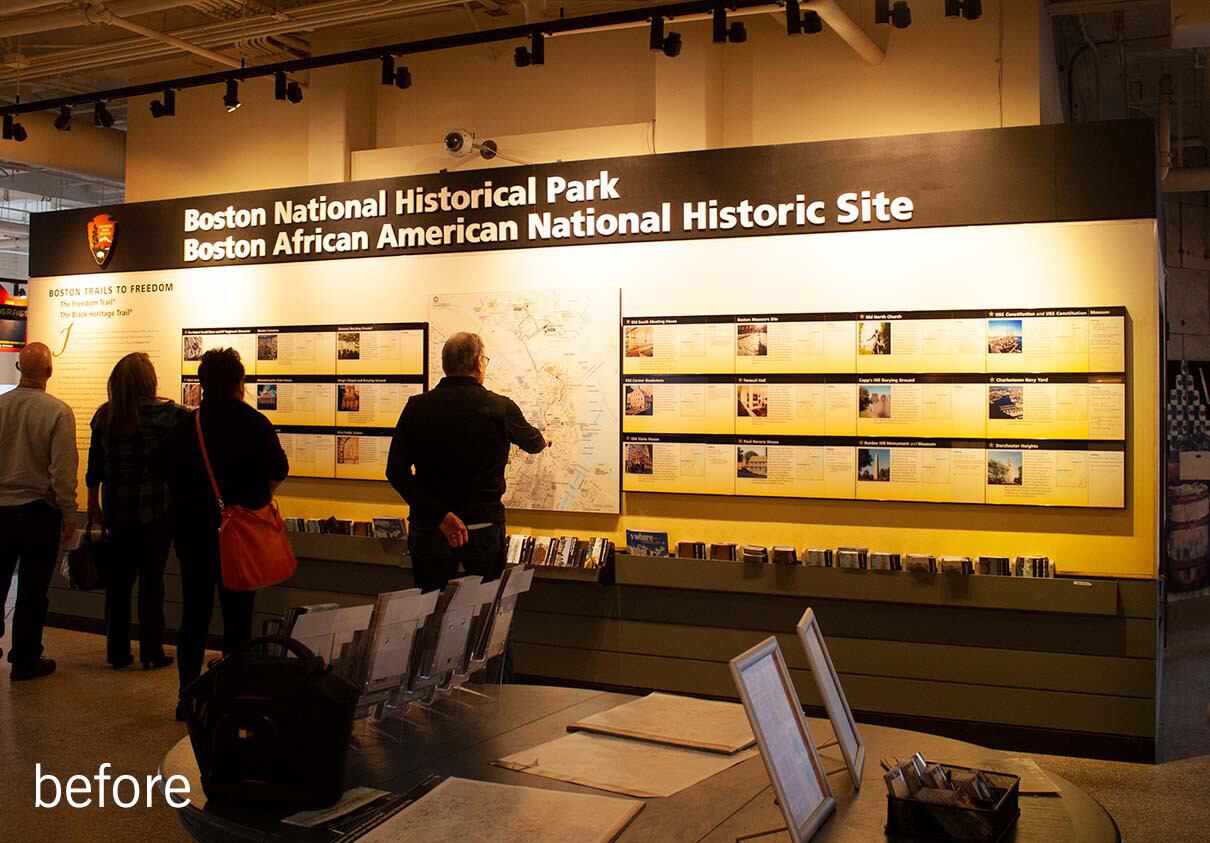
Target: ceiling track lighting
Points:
(12, 130)
(165, 106)
(534, 54)
(736, 33)
(670, 44)
(399, 77)
(887, 11)
(969, 9)
(896, 13)
(63, 121)
(231, 98)
(287, 90)
(101, 116)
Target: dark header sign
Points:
(1027, 174)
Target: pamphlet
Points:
(646, 543)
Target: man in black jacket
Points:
(457, 437)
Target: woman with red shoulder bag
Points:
(225, 457)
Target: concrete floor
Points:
(87, 714)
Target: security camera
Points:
(460, 143)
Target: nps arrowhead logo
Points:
(102, 232)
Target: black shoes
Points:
(44, 667)
(158, 662)
(180, 712)
(121, 663)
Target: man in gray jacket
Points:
(38, 463)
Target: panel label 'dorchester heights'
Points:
(556, 354)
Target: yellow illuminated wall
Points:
(1059, 265)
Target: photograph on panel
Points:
(874, 465)
(873, 338)
(1004, 468)
(638, 458)
(874, 401)
(640, 400)
(640, 341)
(751, 340)
(752, 401)
(752, 461)
(1004, 336)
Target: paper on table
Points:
(350, 801)
(679, 721)
(459, 810)
(620, 765)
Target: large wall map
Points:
(554, 352)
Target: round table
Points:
(736, 802)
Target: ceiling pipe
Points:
(1187, 180)
(848, 29)
(68, 20)
(107, 17)
(1164, 127)
(1180, 127)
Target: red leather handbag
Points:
(253, 545)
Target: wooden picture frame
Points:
(834, 700)
(785, 742)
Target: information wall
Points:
(770, 379)
(979, 406)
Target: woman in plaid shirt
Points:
(125, 431)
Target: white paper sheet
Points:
(679, 721)
(462, 810)
(634, 768)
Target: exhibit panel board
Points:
(689, 287)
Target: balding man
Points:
(38, 462)
(457, 437)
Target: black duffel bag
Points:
(270, 731)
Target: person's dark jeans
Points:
(139, 552)
(201, 574)
(29, 545)
(435, 563)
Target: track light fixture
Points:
(231, 98)
(534, 54)
(670, 44)
(165, 107)
(63, 121)
(101, 116)
(399, 77)
(736, 33)
(12, 130)
(896, 13)
(798, 21)
(287, 90)
(793, 18)
(969, 9)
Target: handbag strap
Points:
(300, 650)
(201, 441)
